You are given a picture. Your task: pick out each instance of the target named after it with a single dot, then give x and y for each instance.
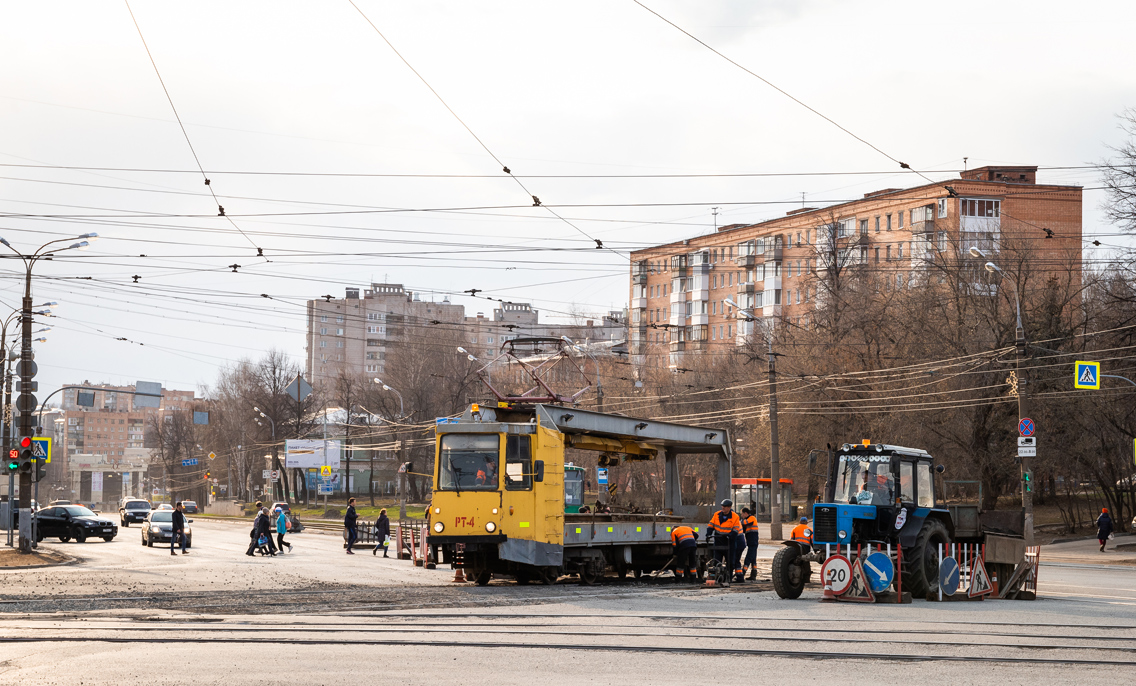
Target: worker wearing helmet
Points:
(727, 528)
(685, 541)
(802, 533)
(749, 530)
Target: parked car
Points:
(133, 510)
(159, 525)
(294, 525)
(190, 506)
(164, 506)
(73, 522)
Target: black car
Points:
(73, 521)
(190, 506)
(133, 510)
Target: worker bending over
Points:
(752, 536)
(802, 533)
(685, 541)
(727, 527)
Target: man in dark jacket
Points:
(1104, 527)
(381, 531)
(177, 528)
(261, 526)
(349, 521)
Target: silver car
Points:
(159, 525)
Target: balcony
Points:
(638, 303)
(700, 319)
(700, 295)
(771, 311)
(678, 346)
(639, 279)
(748, 261)
(747, 288)
(773, 254)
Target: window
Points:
(926, 488)
(889, 222)
(339, 344)
(468, 462)
(806, 236)
(323, 331)
(863, 227)
(323, 344)
(942, 208)
(980, 208)
(906, 485)
(339, 332)
(374, 341)
(489, 340)
(887, 255)
(713, 333)
(899, 281)
(323, 318)
(339, 319)
(899, 251)
(664, 290)
(877, 223)
(900, 215)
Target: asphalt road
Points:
(129, 614)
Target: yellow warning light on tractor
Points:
(475, 408)
(866, 442)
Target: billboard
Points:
(301, 453)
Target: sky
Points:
(332, 156)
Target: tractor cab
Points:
(876, 494)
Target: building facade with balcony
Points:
(771, 268)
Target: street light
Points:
(44, 251)
(774, 442)
(401, 412)
(599, 381)
(1020, 346)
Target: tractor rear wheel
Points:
(790, 573)
(921, 563)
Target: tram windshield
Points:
(864, 480)
(468, 462)
(573, 488)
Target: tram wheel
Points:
(590, 574)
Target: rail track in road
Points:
(598, 637)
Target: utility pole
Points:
(774, 447)
(1027, 477)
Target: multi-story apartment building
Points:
(679, 290)
(354, 334)
(102, 447)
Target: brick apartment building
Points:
(354, 334)
(679, 290)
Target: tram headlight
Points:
(439, 527)
(494, 510)
(490, 527)
(437, 510)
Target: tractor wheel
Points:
(790, 574)
(921, 563)
(483, 577)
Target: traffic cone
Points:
(459, 576)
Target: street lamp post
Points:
(774, 443)
(403, 481)
(26, 373)
(275, 454)
(1020, 373)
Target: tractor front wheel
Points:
(790, 573)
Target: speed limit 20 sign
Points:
(836, 574)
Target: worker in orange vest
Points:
(752, 538)
(685, 541)
(802, 533)
(727, 528)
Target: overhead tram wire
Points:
(504, 167)
(196, 159)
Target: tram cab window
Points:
(906, 483)
(518, 463)
(926, 484)
(468, 462)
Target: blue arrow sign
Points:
(189, 463)
(949, 575)
(880, 571)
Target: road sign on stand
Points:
(326, 470)
(979, 581)
(298, 389)
(880, 571)
(1026, 426)
(264, 474)
(601, 476)
(949, 575)
(1086, 375)
(859, 590)
(836, 574)
(274, 475)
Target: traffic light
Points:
(207, 475)
(27, 460)
(1027, 477)
(13, 461)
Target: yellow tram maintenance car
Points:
(499, 492)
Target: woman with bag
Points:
(281, 527)
(381, 532)
(1104, 527)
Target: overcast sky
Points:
(588, 88)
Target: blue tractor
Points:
(883, 495)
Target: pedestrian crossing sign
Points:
(41, 448)
(1087, 375)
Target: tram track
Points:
(589, 647)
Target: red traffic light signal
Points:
(207, 474)
(26, 442)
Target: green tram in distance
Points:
(573, 488)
